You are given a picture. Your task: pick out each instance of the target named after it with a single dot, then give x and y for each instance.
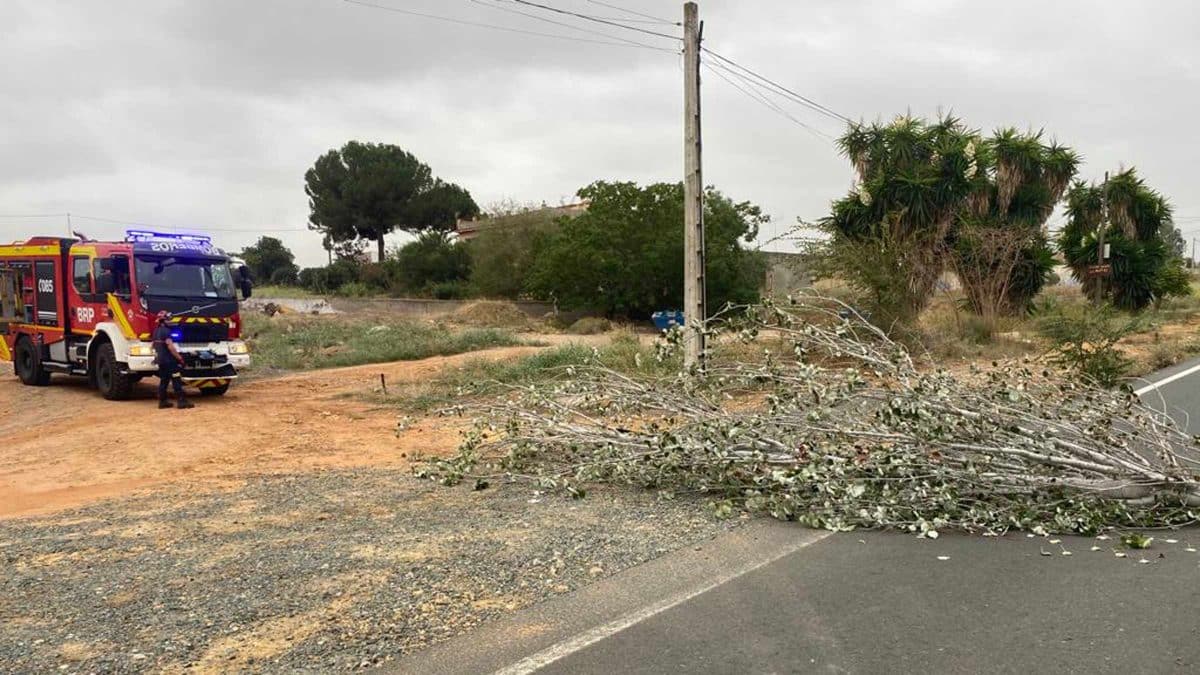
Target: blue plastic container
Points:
(666, 319)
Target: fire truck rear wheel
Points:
(113, 385)
(215, 391)
(28, 364)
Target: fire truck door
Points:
(46, 293)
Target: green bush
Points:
(328, 279)
(430, 260)
(1084, 339)
(503, 252)
(354, 289)
(624, 256)
(448, 290)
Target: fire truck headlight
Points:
(141, 350)
(239, 348)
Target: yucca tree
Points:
(934, 196)
(1146, 267)
(1001, 254)
(890, 236)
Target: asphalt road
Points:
(781, 599)
(886, 603)
(1177, 391)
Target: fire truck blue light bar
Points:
(147, 235)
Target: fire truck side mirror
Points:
(244, 280)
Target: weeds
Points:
(482, 377)
(1085, 339)
(303, 342)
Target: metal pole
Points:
(694, 308)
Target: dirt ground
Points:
(278, 528)
(64, 446)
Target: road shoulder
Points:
(541, 634)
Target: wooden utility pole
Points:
(1099, 284)
(694, 302)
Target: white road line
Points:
(569, 646)
(1166, 380)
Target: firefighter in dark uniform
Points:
(170, 364)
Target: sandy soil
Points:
(63, 445)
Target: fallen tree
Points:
(831, 423)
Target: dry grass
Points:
(950, 335)
(590, 325)
(492, 314)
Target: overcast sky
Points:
(205, 114)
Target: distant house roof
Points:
(468, 229)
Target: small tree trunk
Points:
(379, 241)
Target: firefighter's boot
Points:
(184, 404)
(165, 403)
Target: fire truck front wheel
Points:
(113, 385)
(28, 364)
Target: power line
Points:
(650, 17)
(756, 92)
(596, 19)
(766, 102)
(543, 19)
(799, 98)
(131, 223)
(33, 215)
(505, 29)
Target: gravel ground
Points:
(315, 572)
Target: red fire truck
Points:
(88, 308)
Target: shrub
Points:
(1166, 354)
(978, 330)
(432, 259)
(1084, 339)
(503, 252)
(590, 325)
(624, 256)
(448, 290)
(353, 289)
(328, 279)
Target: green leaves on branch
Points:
(832, 425)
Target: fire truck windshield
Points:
(184, 278)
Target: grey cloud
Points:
(207, 114)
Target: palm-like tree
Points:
(894, 229)
(1002, 254)
(936, 195)
(1145, 265)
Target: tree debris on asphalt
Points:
(830, 422)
